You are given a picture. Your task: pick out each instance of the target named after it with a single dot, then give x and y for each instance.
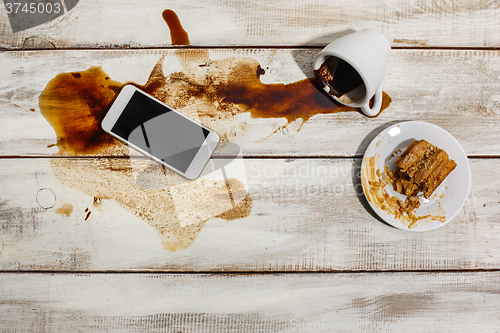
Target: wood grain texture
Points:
(307, 215)
(385, 302)
(456, 90)
(132, 23)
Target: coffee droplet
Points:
(178, 35)
(65, 210)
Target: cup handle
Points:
(377, 104)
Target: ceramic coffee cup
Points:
(367, 52)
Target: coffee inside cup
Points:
(341, 80)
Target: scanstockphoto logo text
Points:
(302, 177)
(276, 179)
(26, 14)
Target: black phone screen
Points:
(161, 131)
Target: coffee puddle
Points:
(235, 86)
(74, 105)
(214, 92)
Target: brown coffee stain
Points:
(215, 92)
(409, 41)
(65, 210)
(88, 212)
(178, 35)
(74, 105)
(178, 212)
(231, 86)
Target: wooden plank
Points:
(94, 24)
(305, 215)
(452, 89)
(388, 302)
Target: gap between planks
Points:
(240, 273)
(249, 157)
(268, 47)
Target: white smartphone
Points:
(160, 132)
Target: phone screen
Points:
(161, 131)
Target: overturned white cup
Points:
(367, 52)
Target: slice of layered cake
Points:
(421, 167)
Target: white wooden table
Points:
(84, 236)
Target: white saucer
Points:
(446, 201)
